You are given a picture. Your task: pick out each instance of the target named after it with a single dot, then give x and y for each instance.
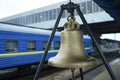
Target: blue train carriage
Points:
(88, 44)
(22, 45)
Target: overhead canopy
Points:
(112, 7)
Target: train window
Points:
(11, 46)
(44, 44)
(31, 45)
(87, 45)
(56, 45)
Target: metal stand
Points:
(81, 74)
(48, 46)
(73, 73)
(70, 7)
(97, 45)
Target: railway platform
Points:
(115, 64)
(97, 73)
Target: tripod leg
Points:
(96, 44)
(48, 46)
(73, 73)
(81, 74)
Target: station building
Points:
(45, 17)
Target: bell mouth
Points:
(62, 63)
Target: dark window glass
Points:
(89, 6)
(43, 16)
(16, 20)
(11, 46)
(54, 14)
(44, 45)
(50, 14)
(31, 45)
(76, 13)
(101, 9)
(63, 15)
(95, 7)
(40, 17)
(36, 15)
(66, 13)
(26, 20)
(23, 20)
(33, 19)
(30, 19)
(46, 15)
(7, 21)
(12, 21)
(58, 11)
(20, 20)
(56, 45)
(83, 7)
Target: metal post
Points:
(73, 73)
(81, 74)
(48, 46)
(96, 44)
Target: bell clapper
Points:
(73, 73)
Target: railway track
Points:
(16, 75)
(46, 72)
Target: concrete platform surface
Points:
(115, 64)
(99, 73)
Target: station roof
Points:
(105, 27)
(112, 7)
(102, 27)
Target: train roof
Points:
(25, 29)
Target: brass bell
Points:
(72, 53)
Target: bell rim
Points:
(62, 64)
